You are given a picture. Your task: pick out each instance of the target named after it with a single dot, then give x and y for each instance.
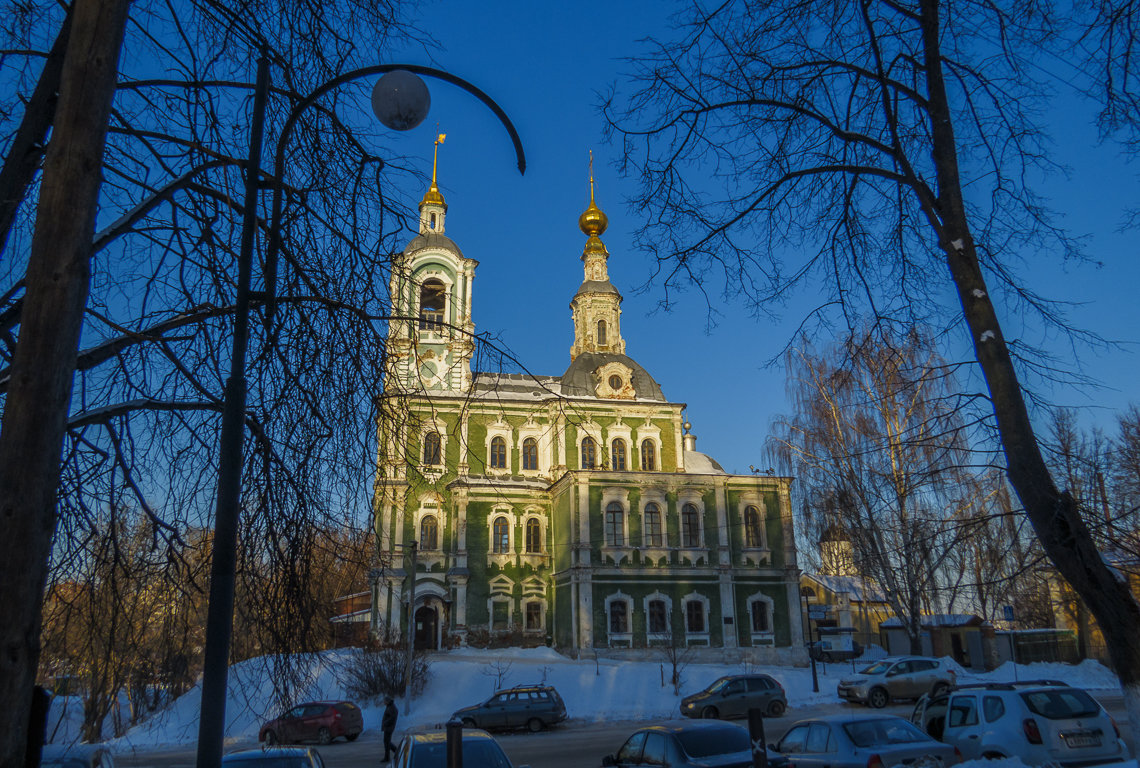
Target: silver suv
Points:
(899, 677)
(1040, 722)
(535, 706)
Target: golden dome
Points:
(433, 196)
(592, 221)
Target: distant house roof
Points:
(941, 620)
(858, 589)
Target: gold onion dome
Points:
(592, 221)
(433, 196)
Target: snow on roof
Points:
(941, 620)
(858, 589)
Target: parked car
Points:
(319, 721)
(1039, 722)
(277, 757)
(870, 741)
(533, 706)
(734, 695)
(429, 750)
(898, 677)
(76, 756)
(688, 745)
(828, 650)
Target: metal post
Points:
(811, 656)
(219, 617)
(411, 632)
(454, 744)
(756, 734)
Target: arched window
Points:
(695, 616)
(589, 453)
(615, 525)
(652, 525)
(432, 453)
(618, 454)
(433, 221)
(498, 453)
(533, 536)
(752, 536)
(429, 533)
(658, 617)
(619, 617)
(648, 456)
(761, 621)
(530, 453)
(433, 301)
(690, 526)
(501, 536)
(601, 331)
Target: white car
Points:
(1040, 722)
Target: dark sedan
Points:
(698, 744)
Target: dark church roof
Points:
(578, 381)
(432, 240)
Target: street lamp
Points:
(400, 101)
(807, 630)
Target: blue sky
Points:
(544, 63)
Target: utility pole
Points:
(411, 631)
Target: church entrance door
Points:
(427, 623)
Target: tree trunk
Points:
(35, 415)
(1054, 515)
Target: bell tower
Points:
(596, 308)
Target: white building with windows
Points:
(574, 509)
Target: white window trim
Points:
(500, 598)
(527, 516)
(753, 500)
(625, 638)
(691, 497)
(621, 496)
(590, 429)
(769, 636)
(509, 557)
(435, 425)
(690, 637)
(541, 436)
(654, 437)
(655, 496)
(527, 600)
(499, 429)
(614, 432)
(431, 504)
(667, 634)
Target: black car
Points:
(690, 745)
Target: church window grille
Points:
(530, 453)
(760, 619)
(658, 617)
(615, 525)
(618, 451)
(601, 331)
(433, 301)
(498, 453)
(619, 617)
(589, 453)
(652, 525)
(690, 526)
(533, 615)
(501, 536)
(648, 456)
(533, 536)
(432, 452)
(695, 616)
(429, 533)
(752, 536)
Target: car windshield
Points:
(265, 760)
(878, 733)
(878, 668)
(707, 742)
(476, 754)
(722, 682)
(1060, 704)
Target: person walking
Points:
(388, 725)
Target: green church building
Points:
(569, 510)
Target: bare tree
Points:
(882, 146)
(880, 452)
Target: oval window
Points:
(615, 382)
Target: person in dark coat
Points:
(388, 725)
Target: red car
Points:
(319, 721)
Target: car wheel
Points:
(776, 708)
(351, 736)
(271, 738)
(709, 713)
(534, 725)
(939, 689)
(878, 698)
(469, 723)
(324, 736)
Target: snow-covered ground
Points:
(593, 691)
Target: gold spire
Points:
(592, 221)
(433, 196)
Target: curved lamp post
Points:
(400, 102)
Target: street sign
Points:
(1008, 611)
(817, 612)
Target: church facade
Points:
(569, 510)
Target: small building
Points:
(853, 603)
(961, 636)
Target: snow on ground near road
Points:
(605, 690)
